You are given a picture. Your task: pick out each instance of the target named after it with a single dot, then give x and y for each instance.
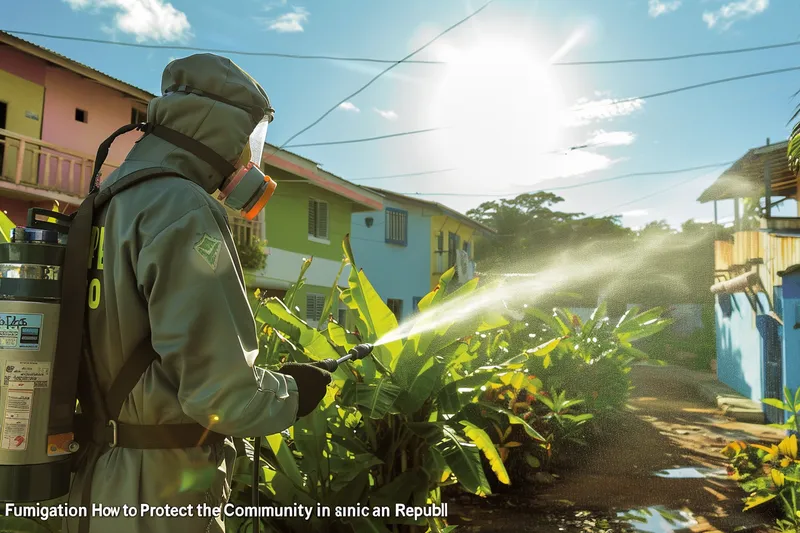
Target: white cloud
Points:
(289, 22)
(571, 164)
(661, 7)
(612, 138)
(635, 213)
(732, 12)
(388, 115)
(588, 111)
(145, 19)
(348, 106)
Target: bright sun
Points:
(504, 107)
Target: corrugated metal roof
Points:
(451, 212)
(745, 178)
(76, 67)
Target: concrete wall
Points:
(106, 109)
(396, 271)
(52, 94)
(739, 345)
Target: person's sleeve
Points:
(203, 329)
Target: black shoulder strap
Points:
(74, 289)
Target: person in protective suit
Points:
(171, 338)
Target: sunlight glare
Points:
(503, 104)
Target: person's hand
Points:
(312, 384)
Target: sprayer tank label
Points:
(35, 372)
(20, 331)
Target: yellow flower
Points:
(734, 447)
(788, 446)
(777, 477)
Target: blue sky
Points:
(507, 111)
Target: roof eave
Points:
(73, 66)
(309, 170)
(427, 203)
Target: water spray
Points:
(356, 353)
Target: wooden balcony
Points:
(38, 170)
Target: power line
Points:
(677, 57)
(645, 197)
(387, 69)
(212, 50)
(691, 87)
(439, 171)
(578, 108)
(365, 139)
(578, 185)
(390, 176)
(362, 59)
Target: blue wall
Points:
(396, 271)
(739, 345)
(791, 336)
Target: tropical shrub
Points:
(578, 374)
(251, 254)
(771, 474)
(395, 427)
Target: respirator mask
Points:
(248, 189)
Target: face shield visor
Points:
(248, 189)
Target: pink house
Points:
(54, 113)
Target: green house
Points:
(308, 216)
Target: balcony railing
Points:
(29, 162)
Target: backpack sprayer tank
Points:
(30, 301)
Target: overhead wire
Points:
(361, 59)
(384, 71)
(577, 108)
(575, 186)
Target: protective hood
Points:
(219, 121)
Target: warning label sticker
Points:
(34, 372)
(15, 434)
(18, 403)
(20, 331)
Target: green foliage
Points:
(392, 428)
(251, 254)
(771, 474)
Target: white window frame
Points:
(314, 234)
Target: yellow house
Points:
(424, 231)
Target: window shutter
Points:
(322, 220)
(311, 307)
(320, 306)
(312, 217)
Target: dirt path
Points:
(667, 428)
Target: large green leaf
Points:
(275, 313)
(464, 460)
(286, 461)
(485, 444)
(421, 387)
(514, 420)
(400, 489)
(376, 399)
(461, 392)
(361, 297)
(438, 292)
(333, 297)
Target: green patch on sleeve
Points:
(209, 248)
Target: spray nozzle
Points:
(360, 351)
(357, 352)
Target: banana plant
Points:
(392, 428)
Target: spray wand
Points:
(331, 365)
